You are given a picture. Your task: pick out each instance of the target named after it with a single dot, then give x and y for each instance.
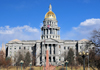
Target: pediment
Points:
(15, 41)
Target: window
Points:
(68, 48)
(64, 47)
(24, 48)
(19, 47)
(49, 59)
(14, 48)
(28, 48)
(59, 58)
(32, 48)
(53, 59)
(10, 48)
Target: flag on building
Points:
(48, 26)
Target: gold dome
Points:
(50, 14)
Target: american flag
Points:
(48, 26)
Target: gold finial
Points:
(50, 7)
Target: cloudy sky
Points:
(22, 19)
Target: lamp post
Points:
(62, 65)
(66, 64)
(83, 54)
(30, 65)
(21, 62)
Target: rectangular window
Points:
(32, 48)
(19, 47)
(14, 48)
(64, 47)
(68, 48)
(24, 48)
(59, 59)
(10, 48)
(53, 59)
(49, 59)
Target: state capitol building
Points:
(50, 40)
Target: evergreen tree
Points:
(20, 57)
(70, 57)
(27, 59)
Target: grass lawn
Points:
(38, 68)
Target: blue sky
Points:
(22, 19)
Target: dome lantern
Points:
(50, 7)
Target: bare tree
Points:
(94, 58)
(95, 37)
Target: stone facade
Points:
(50, 39)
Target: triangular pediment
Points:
(15, 41)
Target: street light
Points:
(30, 65)
(21, 62)
(62, 65)
(83, 54)
(66, 64)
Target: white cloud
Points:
(90, 22)
(84, 29)
(25, 32)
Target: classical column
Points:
(48, 31)
(43, 31)
(51, 60)
(51, 30)
(43, 48)
(37, 54)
